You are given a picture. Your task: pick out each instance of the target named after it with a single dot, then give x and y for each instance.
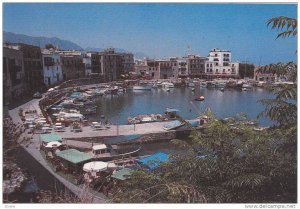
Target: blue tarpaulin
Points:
(154, 160)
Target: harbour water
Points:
(227, 103)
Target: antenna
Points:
(189, 50)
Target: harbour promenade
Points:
(31, 143)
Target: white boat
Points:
(220, 85)
(167, 89)
(247, 85)
(142, 88)
(168, 85)
(191, 84)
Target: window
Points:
(223, 70)
(207, 65)
(217, 64)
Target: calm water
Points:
(117, 108)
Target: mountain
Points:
(39, 41)
(61, 44)
(93, 49)
(137, 55)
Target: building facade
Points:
(87, 61)
(182, 68)
(33, 68)
(196, 66)
(72, 67)
(219, 65)
(52, 67)
(13, 74)
(263, 74)
(127, 62)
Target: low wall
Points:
(44, 179)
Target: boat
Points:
(142, 88)
(173, 125)
(191, 84)
(146, 118)
(168, 85)
(222, 89)
(89, 111)
(203, 84)
(245, 89)
(193, 89)
(171, 113)
(247, 85)
(113, 90)
(201, 98)
(220, 85)
(106, 152)
(167, 89)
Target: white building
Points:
(52, 68)
(182, 68)
(219, 65)
(87, 61)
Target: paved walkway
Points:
(32, 147)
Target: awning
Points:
(74, 156)
(50, 138)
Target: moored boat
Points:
(201, 98)
(142, 88)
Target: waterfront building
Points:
(52, 67)
(32, 56)
(153, 68)
(196, 66)
(13, 74)
(72, 66)
(95, 63)
(263, 74)
(127, 62)
(87, 61)
(168, 68)
(182, 68)
(219, 65)
(110, 64)
(142, 69)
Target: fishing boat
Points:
(168, 85)
(105, 152)
(220, 85)
(142, 88)
(146, 118)
(247, 85)
(173, 125)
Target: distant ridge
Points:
(39, 41)
(61, 44)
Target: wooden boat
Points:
(105, 152)
(173, 125)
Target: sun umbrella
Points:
(98, 166)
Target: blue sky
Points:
(160, 30)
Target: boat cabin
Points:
(99, 149)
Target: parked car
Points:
(37, 95)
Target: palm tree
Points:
(290, 25)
